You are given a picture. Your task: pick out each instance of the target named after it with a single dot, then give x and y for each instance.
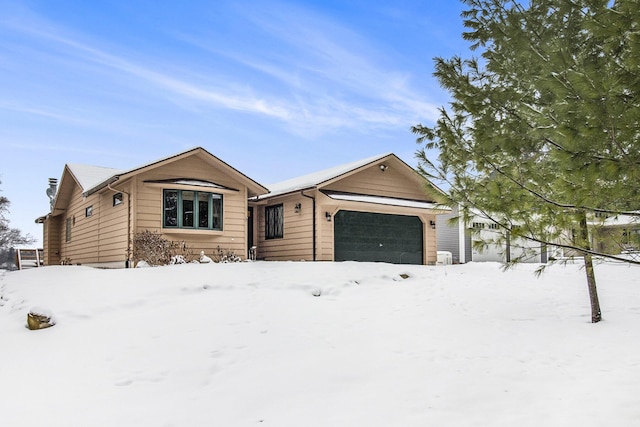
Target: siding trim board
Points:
(379, 200)
(188, 183)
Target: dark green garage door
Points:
(365, 236)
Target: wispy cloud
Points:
(45, 113)
(328, 50)
(39, 148)
(167, 82)
(322, 76)
(333, 73)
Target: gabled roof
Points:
(316, 179)
(90, 176)
(94, 178)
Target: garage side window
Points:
(274, 221)
(192, 209)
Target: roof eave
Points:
(338, 177)
(100, 186)
(270, 195)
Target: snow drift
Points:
(320, 344)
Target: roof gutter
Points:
(102, 185)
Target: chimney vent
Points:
(51, 191)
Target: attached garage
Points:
(367, 236)
(374, 210)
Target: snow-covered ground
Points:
(253, 344)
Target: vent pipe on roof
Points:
(51, 191)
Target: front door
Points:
(249, 231)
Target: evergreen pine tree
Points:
(543, 131)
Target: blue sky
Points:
(277, 89)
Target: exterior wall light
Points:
(327, 215)
(383, 167)
(297, 208)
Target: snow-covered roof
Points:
(621, 220)
(316, 178)
(90, 176)
(93, 178)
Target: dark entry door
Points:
(366, 236)
(249, 230)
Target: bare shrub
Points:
(225, 255)
(156, 250)
(151, 247)
(180, 250)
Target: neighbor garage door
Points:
(365, 236)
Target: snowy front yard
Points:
(252, 344)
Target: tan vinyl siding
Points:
(83, 234)
(430, 240)
(113, 224)
(296, 243)
(45, 242)
(394, 182)
(51, 240)
(148, 209)
(100, 238)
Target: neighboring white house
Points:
(457, 237)
(616, 234)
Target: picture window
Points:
(192, 209)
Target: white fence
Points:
(29, 258)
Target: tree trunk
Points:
(596, 315)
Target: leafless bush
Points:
(225, 255)
(180, 250)
(156, 250)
